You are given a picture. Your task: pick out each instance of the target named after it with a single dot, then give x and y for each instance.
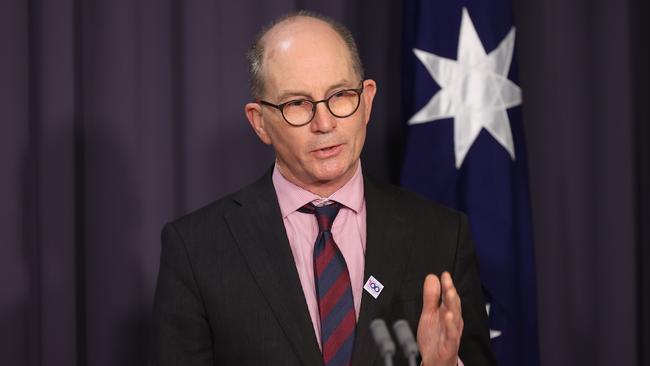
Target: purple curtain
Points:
(117, 116)
(577, 81)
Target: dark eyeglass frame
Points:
(315, 103)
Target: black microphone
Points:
(406, 340)
(383, 339)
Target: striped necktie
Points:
(333, 290)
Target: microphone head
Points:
(382, 337)
(405, 338)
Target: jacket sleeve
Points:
(180, 333)
(475, 340)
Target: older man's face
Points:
(306, 59)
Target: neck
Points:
(322, 189)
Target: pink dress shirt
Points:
(348, 231)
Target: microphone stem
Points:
(388, 360)
(413, 360)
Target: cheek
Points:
(359, 136)
(288, 145)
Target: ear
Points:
(253, 113)
(369, 91)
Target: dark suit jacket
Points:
(228, 291)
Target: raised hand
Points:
(441, 322)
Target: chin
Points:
(330, 173)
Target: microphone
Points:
(383, 340)
(406, 340)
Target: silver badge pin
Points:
(373, 287)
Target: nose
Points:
(323, 120)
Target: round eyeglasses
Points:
(299, 112)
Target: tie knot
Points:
(325, 215)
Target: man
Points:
(274, 274)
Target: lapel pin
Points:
(373, 287)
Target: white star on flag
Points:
(474, 90)
(493, 333)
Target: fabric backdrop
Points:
(118, 116)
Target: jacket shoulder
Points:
(207, 219)
(406, 201)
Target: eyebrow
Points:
(300, 93)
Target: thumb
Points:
(431, 294)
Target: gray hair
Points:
(255, 54)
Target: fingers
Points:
(453, 318)
(431, 294)
(433, 287)
(452, 333)
(450, 297)
(446, 280)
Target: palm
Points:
(440, 325)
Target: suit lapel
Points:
(386, 255)
(259, 231)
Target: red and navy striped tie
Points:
(333, 289)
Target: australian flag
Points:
(465, 148)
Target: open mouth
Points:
(328, 148)
(328, 151)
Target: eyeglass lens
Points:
(341, 104)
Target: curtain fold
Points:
(16, 190)
(577, 83)
(118, 116)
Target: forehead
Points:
(305, 54)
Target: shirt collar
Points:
(291, 197)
